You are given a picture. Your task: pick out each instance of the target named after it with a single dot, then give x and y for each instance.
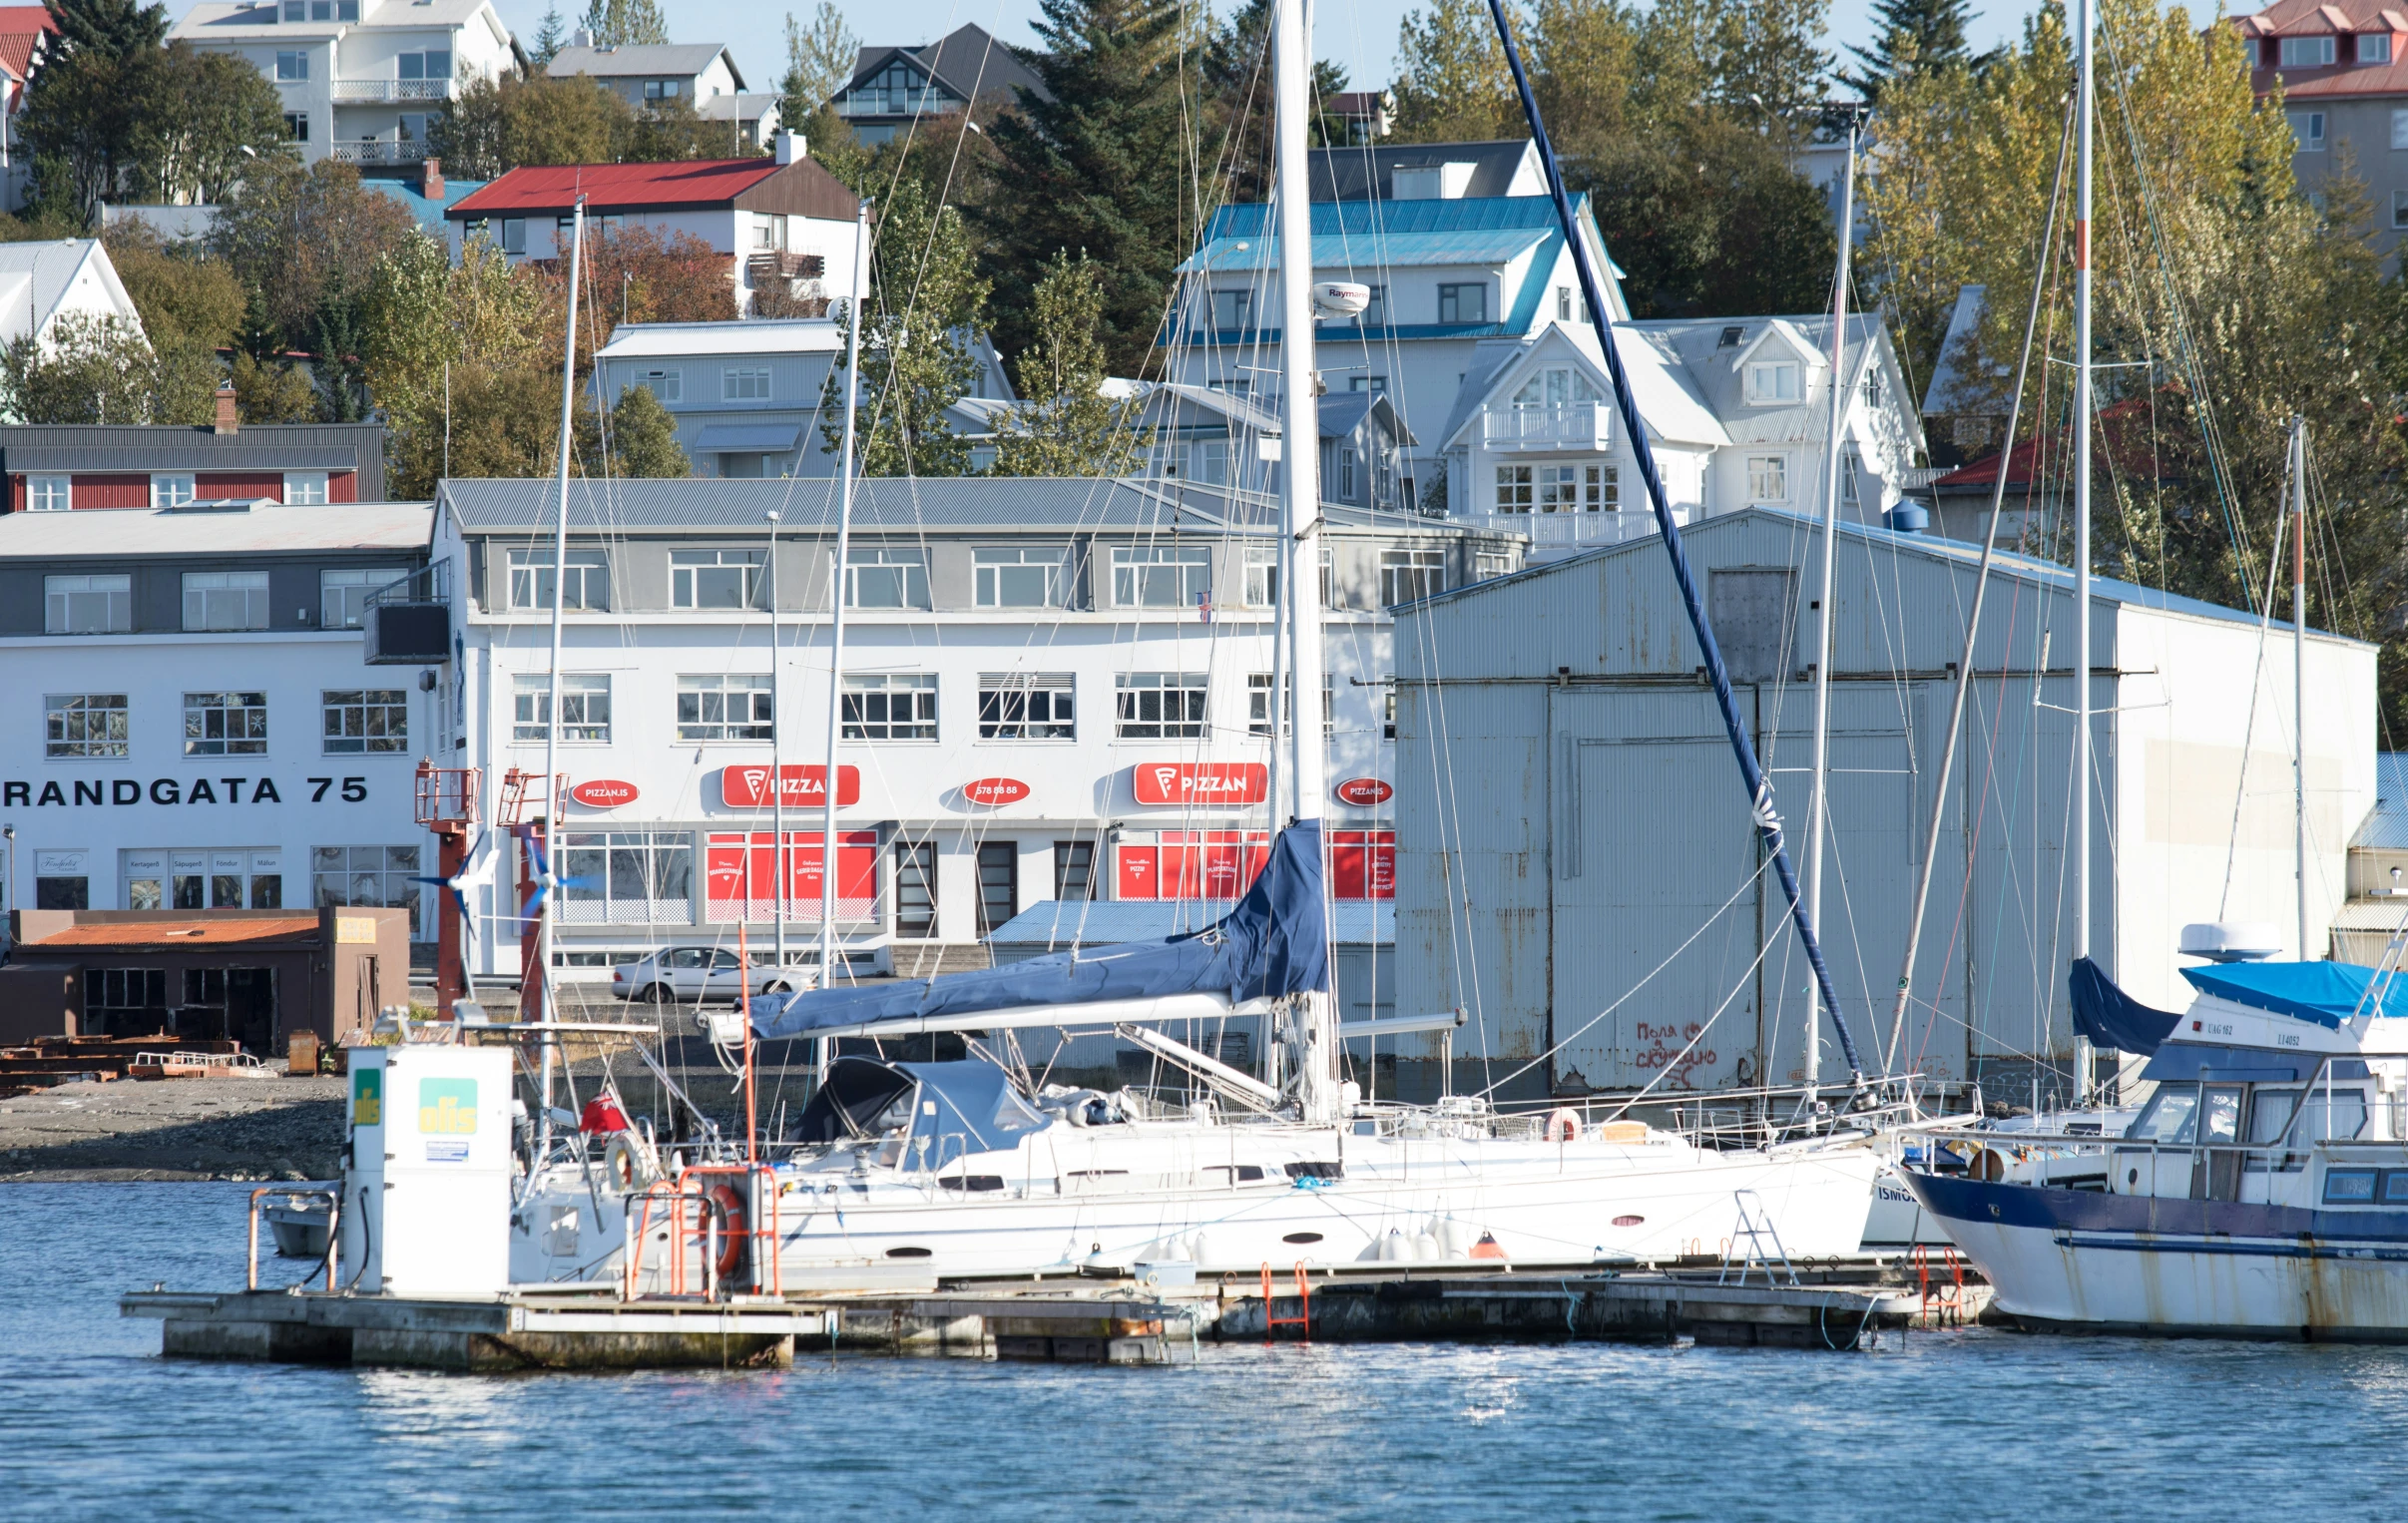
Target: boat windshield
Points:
(2269, 1115)
(2172, 1113)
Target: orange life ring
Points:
(731, 1229)
(1563, 1125)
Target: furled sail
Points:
(1274, 943)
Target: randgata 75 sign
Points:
(119, 792)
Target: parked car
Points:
(687, 974)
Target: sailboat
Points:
(964, 1168)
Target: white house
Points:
(647, 74)
(361, 79)
(39, 282)
(746, 395)
(1738, 409)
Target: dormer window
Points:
(2374, 47)
(1771, 381)
(1555, 386)
(2307, 52)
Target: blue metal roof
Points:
(1360, 219)
(1467, 245)
(1059, 924)
(429, 211)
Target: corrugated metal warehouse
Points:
(1570, 821)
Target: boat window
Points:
(2270, 1116)
(2346, 1119)
(2219, 1120)
(976, 1183)
(2169, 1115)
(2349, 1187)
(2395, 1187)
(1317, 1171)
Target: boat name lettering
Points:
(107, 792)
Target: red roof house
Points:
(2343, 70)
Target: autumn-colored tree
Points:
(302, 238)
(640, 274)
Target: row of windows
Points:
(1559, 488)
(352, 722)
(340, 877)
(902, 705)
(214, 601)
(53, 493)
(2324, 51)
(1143, 576)
(737, 384)
(1459, 302)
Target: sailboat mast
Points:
(2085, 25)
(1818, 813)
(835, 639)
(549, 912)
(1300, 501)
(2299, 670)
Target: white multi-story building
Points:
(186, 718)
(361, 79)
(1052, 689)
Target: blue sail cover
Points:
(2112, 1019)
(1274, 943)
(2327, 993)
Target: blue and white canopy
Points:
(2326, 993)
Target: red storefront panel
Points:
(743, 872)
(1137, 869)
(1362, 864)
(1190, 864)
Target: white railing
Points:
(895, 103)
(1581, 426)
(377, 90)
(378, 151)
(1555, 530)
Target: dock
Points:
(1061, 1319)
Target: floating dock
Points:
(1063, 1320)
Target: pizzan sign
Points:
(1363, 792)
(745, 788)
(1202, 783)
(604, 793)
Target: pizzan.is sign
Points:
(1202, 783)
(746, 788)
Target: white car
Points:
(688, 974)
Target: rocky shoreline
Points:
(268, 1129)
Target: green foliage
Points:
(617, 23)
(926, 298)
(302, 238)
(496, 126)
(1454, 86)
(819, 61)
(183, 296)
(115, 115)
(550, 38)
(1065, 425)
(100, 370)
(1705, 221)
(644, 437)
(1917, 36)
(268, 393)
(424, 318)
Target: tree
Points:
(1770, 66)
(549, 39)
(181, 296)
(1917, 36)
(644, 437)
(200, 122)
(620, 23)
(560, 121)
(102, 371)
(1095, 167)
(1065, 424)
(1705, 220)
(642, 275)
(1453, 86)
(83, 107)
(915, 351)
(268, 393)
(304, 238)
(672, 131)
(820, 62)
(425, 321)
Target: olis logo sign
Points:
(447, 1107)
(367, 1097)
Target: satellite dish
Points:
(1341, 299)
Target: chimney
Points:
(431, 179)
(788, 150)
(228, 419)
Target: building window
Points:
(1263, 576)
(1487, 567)
(2399, 209)
(1016, 706)
(1768, 478)
(226, 600)
(915, 888)
(1375, 311)
(627, 877)
(433, 62)
(291, 65)
(1387, 709)
(365, 720)
(172, 490)
(724, 707)
(514, 234)
(296, 125)
(1160, 576)
(1232, 309)
(1377, 385)
(659, 90)
(1576, 488)
(586, 584)
(1774, 380)
(585, 706)
(1554, 387)
(745, 385)
(1258, 703)
(225, 724)
(306, 489)
(62, 893)
(2307, 127)
(1463, 303)
(1408, 576)
(886, 579)
(88, 605)
(1514, 491)
(1022, 578)
(121, 1001)
(1332, 594)
(2307, 52)
(55, 494)
(2399, 129)
(1347, 468)
(665, 385)
(998, 884)
(373, 876)
(891, 706)
(717, 578)
(83, 724)
(1073, 869)
(2374, 47)
(1161, 706)
(342, 596)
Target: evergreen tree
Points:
(927, 298)
(549, 39)
(1917, 36)
(1103, 166)
(1065, 424)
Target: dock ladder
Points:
(1303, 1321)
(1755, 1227)
(1943, 1302)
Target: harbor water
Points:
(1956, 1425)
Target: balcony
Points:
(390, 92)
(896, 103)
(762, 267)
(376, 151)
(1580, 426)
(1565, 531)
